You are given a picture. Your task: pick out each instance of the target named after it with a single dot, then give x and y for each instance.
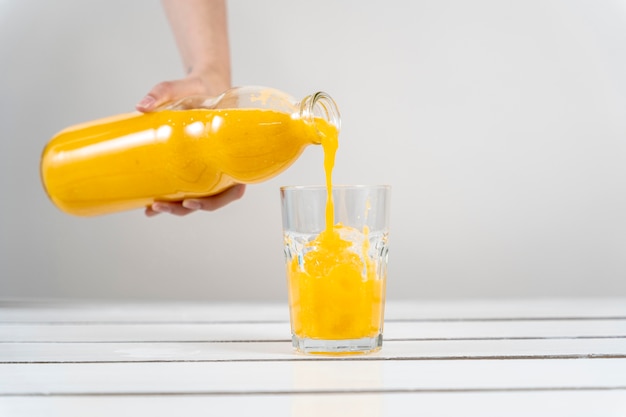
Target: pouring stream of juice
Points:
(335, 292)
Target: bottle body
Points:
(198, 147)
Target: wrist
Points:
(213, 81)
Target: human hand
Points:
(187, 206)
(169, 91)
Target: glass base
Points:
(337, 347)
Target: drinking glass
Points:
(336, 272)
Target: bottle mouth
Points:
(320, 105)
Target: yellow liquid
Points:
(335, 293)
(131, 160)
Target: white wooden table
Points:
(472, 358)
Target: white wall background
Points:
(500, 125)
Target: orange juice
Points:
(335, 292)
(337, 295)
(131, 160)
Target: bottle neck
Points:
(320, 106)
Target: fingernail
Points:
(146, 102)
(161, 208)
(151, 213)
(192, 204)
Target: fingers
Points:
(188, 206)
(217, 201)
(174, 208)
(168, 91)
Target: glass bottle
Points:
(196, 147)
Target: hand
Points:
(167, 92)
(170, 91)
(209, 203)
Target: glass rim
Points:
(336, 187)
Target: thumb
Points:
(168, 91)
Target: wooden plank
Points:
(139, 312)
(508, 357)
(507, 308)
(344, 376)
(146, 332)
(256, 351)
(177, 312)
(221, 332)
(484, 404)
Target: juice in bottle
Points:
(197, 147)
